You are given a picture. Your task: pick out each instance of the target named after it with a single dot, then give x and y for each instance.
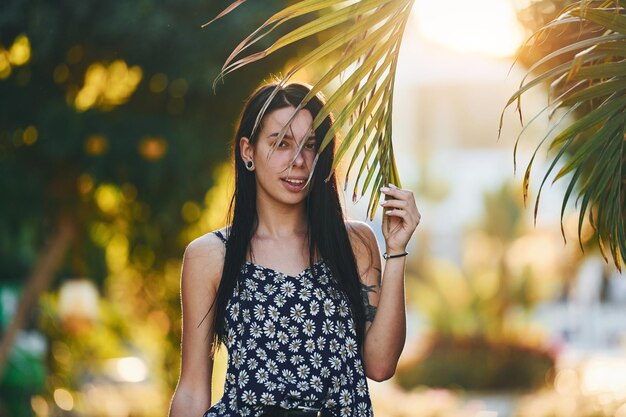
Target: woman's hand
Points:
(400, 218)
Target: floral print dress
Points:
(291, 342)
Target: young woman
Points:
(291, 288)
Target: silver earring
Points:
(250, 164)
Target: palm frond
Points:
(587, 78)
(365, 44)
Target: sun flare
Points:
(487, 27)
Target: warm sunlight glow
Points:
(604, 374)
(487, 27)
(78, 298)
(128, 369)
(132, 369)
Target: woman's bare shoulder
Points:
(362, 237)
(359, 228)
(208, 246)
(204, 259)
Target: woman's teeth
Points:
(295, 182)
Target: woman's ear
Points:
(246, 149)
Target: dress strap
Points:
(221, 236)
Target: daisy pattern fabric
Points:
(291, 342)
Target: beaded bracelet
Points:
(386, 256)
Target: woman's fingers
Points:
(397, 213)
(401, 198)
(402, 204)
(395, 203)
(396, 192)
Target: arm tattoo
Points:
(370, 310)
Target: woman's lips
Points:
(294, 185)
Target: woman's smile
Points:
(294, 184)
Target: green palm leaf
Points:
(365, 39)
(587, 77)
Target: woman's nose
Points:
(298, 160)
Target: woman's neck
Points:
(280, 221)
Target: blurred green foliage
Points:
(159, 145)
(109, 118)
(561, 43)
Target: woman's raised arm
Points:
(385, 337)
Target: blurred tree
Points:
(109, 132)
(577, 51)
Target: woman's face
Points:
(277, 177)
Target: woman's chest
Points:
(300, 309)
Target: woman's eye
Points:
(310, 145)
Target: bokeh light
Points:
(152, 148)
(30, 135)
(64, 399)
(108, 198)
(40, 406)
(127, 369)
(19, 54)
(96, 145)
(107, 86)
(158, 83)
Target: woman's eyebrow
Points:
(275, 135)
(288, 136)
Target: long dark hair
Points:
(327, 231)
